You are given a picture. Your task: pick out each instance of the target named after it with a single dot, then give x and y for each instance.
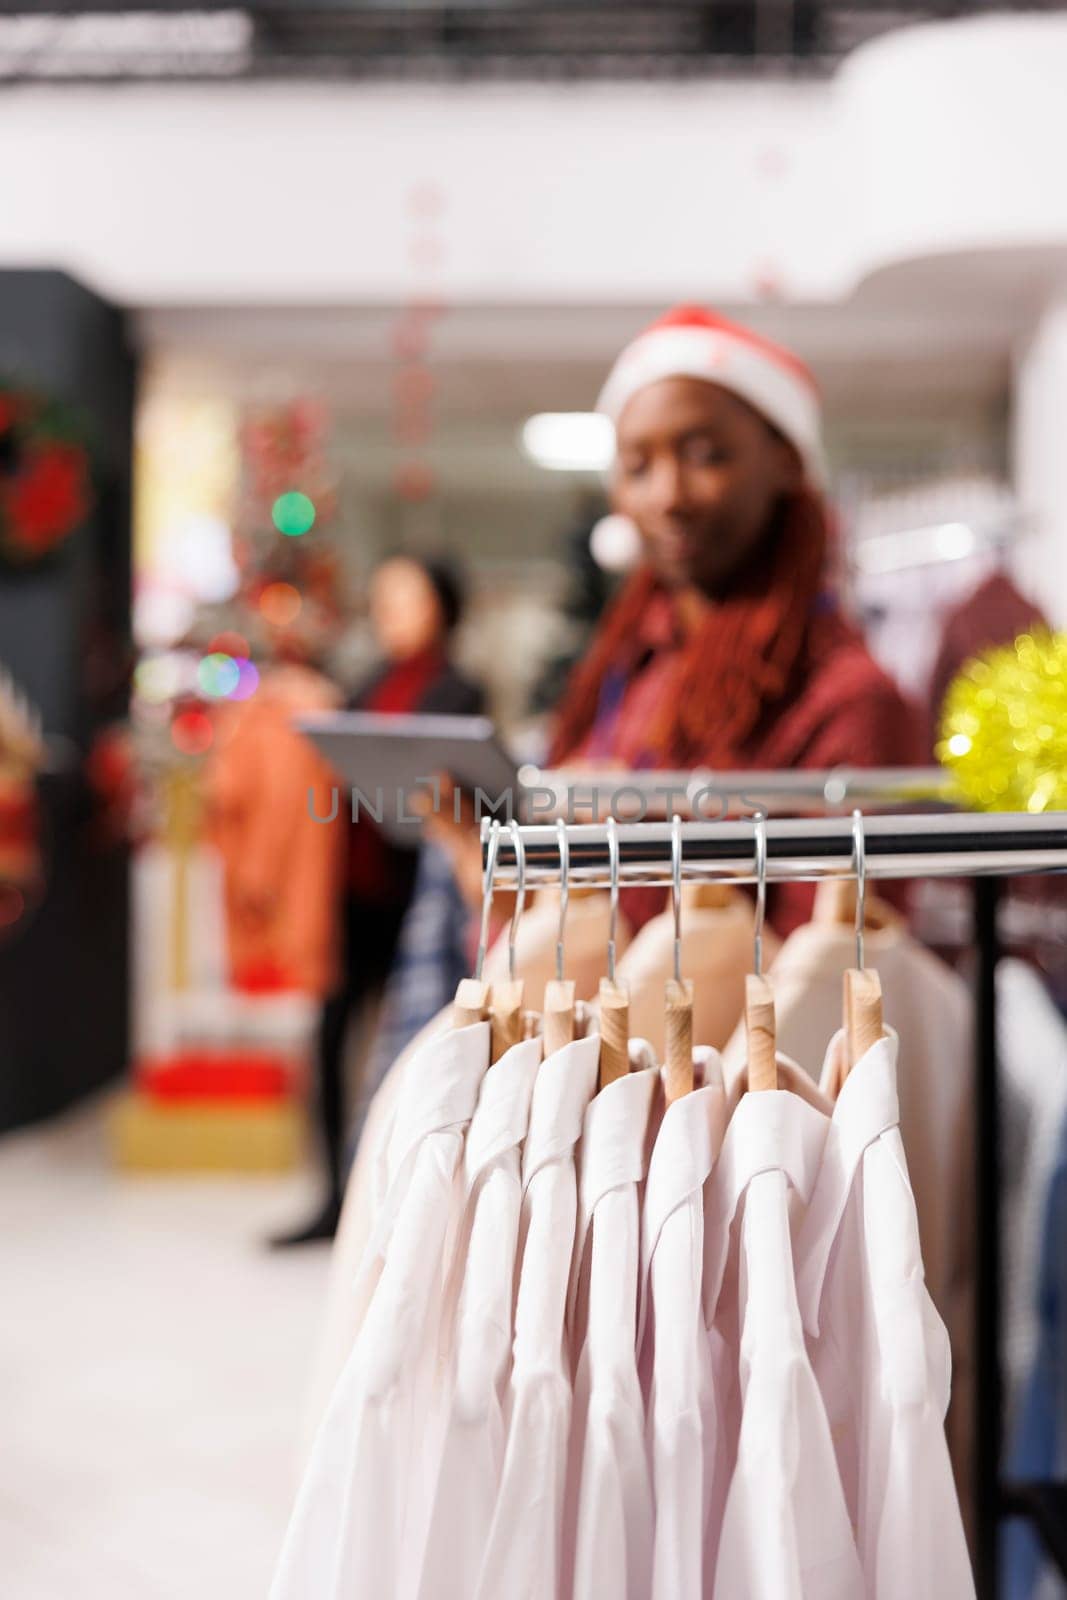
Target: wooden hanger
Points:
(760, 1033)
(759, 996)
(473, 995)
(614, 997)
(505, 1016)
(709, 896)
(471, 1003)
(864, 1021)
(835, 901)
(679, 997)
(679, 1038)
(862, 992)
(559, 1023)
(614, 1031)
(505, 1010)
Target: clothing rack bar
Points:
(704, 792)
(951, 844)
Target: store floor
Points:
(153, 1362)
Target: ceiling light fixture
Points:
(569, 441)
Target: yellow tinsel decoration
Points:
(1004, 726)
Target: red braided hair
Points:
(737, 660)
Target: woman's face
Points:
(405, 610)
(700, 473)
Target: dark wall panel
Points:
(64, 967)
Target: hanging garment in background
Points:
(281, 867)
(931, 1009)
(523, 1551)
(586, 939)
(1038, 1448)
(994, 613)
(608, 1526)
(476, 1351)
(716, 953)
(880, 1350)
(347, 1535)
(1032, 1055)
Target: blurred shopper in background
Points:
(726, 647)
(415, 604)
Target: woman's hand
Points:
(459, 839)
(453, 825)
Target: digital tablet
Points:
(383, 758)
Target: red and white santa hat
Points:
(690, 342)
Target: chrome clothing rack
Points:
(949, 845)
(705, 793)
(942, 843)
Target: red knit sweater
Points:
(839, 708)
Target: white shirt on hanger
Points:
(346, 1536)
(478, 1350)
(365, 1193)
(934, 1012)
(612, 1514)
(523, 1551)
(681, 1422)
(785, 1532)
(880, 1350)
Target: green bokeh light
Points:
(217, 675)
(293, 513)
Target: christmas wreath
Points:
(45, 475)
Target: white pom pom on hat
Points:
(689, 342)
(615, 543)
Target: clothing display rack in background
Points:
(561, 791)
(947, 844)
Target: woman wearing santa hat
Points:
(725, 647)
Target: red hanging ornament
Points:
(414, 482)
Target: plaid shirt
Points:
(432, 956)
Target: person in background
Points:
(725, 647)
(415, 605)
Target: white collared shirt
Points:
(784, 1532)
(346, 1535)
(880, 1350)
(608, 1478)
(682, 1429)
(934, 1012)
(471, 1456)
(522, 1558)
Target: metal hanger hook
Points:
(859, 865)
(487, 891)
(613, 859)
(564, 890)
(676, 892)
(520, 893)
(759, 823)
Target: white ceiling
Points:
(495, 364)
(897, 386)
